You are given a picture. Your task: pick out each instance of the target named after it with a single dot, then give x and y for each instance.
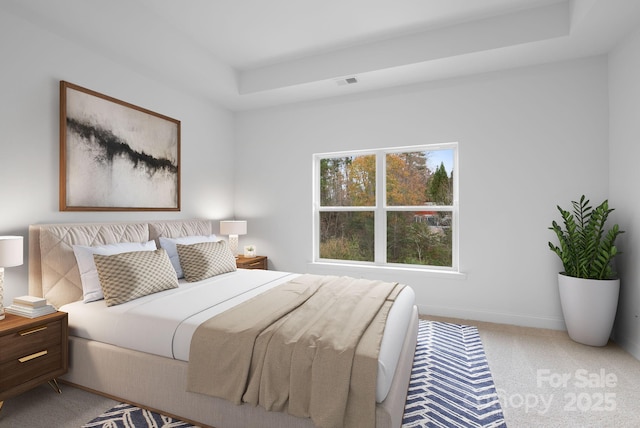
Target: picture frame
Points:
(116, 156)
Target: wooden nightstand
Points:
(257, 262)
(32, 351)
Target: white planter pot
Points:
(589, 307)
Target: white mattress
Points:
(163, 323)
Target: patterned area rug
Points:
(128, 416)
(451, 386)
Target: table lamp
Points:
(10, 255)
(233, 228)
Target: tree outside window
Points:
(389, 206)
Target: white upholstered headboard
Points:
(53, 271)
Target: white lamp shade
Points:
(233, 227)
(10, 251)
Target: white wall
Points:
(33, 63)
(624, 99)
(529, 139)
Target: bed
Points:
(153, 374)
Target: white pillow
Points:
(169, 245)
(91, 289)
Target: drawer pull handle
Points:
(32, 356)
(33, 330)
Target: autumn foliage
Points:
(418, 223)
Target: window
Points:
(394, 206)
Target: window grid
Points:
(381, 207)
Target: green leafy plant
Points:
(585, 249)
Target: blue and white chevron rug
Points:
(128, 416)
(451, 386)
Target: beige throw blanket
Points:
(308, 347)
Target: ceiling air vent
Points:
(346, 81)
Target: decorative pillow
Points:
(205, 259)
(91, 289)
(169, 244)
(127, 276)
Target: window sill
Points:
(383, 271)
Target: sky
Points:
(436, 157)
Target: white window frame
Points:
(381, 208)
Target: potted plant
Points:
(249, 251)
(589, 286)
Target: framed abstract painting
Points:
(115, 156)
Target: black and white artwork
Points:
(116, 156)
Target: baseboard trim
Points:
(493, 317)
(627, 344)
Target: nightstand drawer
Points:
(32, 351)
(257, 262)
(30, 340)
(30, 366)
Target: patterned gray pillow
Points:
(128, 276)
(205, 259)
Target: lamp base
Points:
(233, 245)
(1, 293)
